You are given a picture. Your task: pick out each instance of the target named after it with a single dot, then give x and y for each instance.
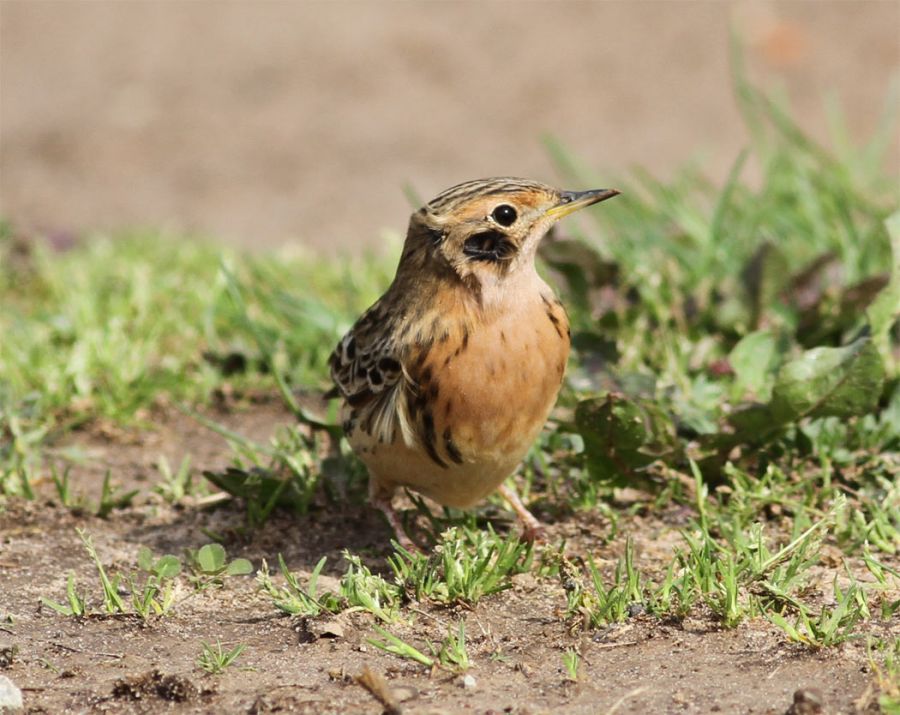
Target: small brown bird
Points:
(447, 380)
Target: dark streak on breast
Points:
(452, 450)
(428, 439)
(548, 306)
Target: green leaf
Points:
(620, 435)
(764, 276)
(829, 382)
(751, 422)
(753, 361)
(211, 558)
(239, 567)
(885, 310)
(145, 559)
(168, 566)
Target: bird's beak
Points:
(571, 201)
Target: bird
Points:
(446, 380)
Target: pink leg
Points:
(532, 529)
(380, 498)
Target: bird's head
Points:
(487, 231)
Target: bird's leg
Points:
(532, 529)
(380, 498)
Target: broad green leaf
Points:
(145, 559)
(168, 566)
(620, 434)
(885, 310)
(211, 558)
(829, 382)
(764, 276)
(614, 419)
(239, 567)
(750, 422)
(753, 361)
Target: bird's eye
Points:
(505, 215)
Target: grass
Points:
(214, 659)
(150, 590)
(736, 356)
(450, 654)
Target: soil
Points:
(516, 638)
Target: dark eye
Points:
(505, 215)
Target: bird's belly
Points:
(487, 403)
(456, 485)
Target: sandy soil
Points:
(516, 638)
(266, 122)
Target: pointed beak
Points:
(571, 201)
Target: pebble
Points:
(10, 696)
(807, 701)
(469, 682)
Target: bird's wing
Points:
(367, 369)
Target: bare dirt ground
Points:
(516, 638)
(267, 122)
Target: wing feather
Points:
(367, 369)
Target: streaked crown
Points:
(489, 228)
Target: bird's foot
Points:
(532, 529)
(383, 503)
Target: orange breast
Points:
(494, 396)
(484, 391)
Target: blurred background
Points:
(262, 123)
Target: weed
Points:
(76, 603)
(363, 590)
(156, 595)
(209, 566)
(396, 646)
(215, 659)
(63, 486)
(597, 605)
(451, 654)
(112, 600)
(466, 566)
(832, 625)
(110, 498)
(884, 660)
(571, 661)
(175, 486)
(293, 598)
(284, 474)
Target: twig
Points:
(620, 701)
(607, 646)
(379, 690)
(70, 649)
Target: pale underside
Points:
(473, 396)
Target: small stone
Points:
(10, 696)
(469, 682)
(807, 701)
(7, 655)
(524, 582)
(402, 694)
(327, 629)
